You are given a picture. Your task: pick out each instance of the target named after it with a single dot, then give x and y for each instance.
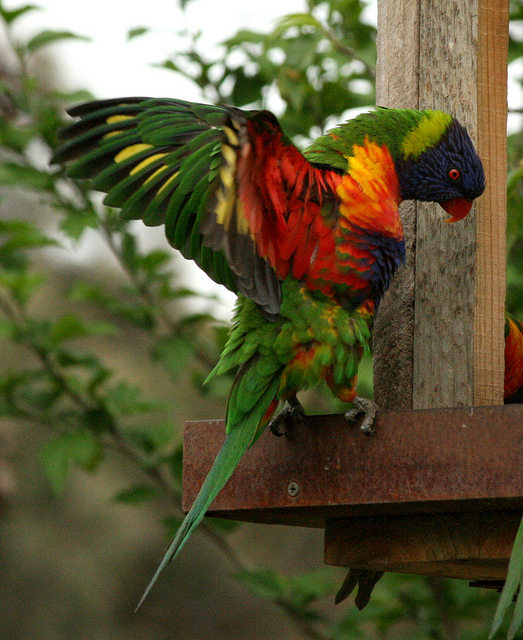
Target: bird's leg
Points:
(368, 408)
(289, 416)
(365, 580)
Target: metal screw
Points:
(293, 488)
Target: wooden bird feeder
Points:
(438, 490)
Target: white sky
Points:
(111, 66)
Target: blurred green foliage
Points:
(316, 66)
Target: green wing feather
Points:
(158, 160)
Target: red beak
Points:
(458, 208)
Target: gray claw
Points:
(368, 408)
(365, 580)
(290, 416)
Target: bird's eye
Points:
(454, 174)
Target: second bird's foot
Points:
(290, 416)
(365, 580)
(368, 408)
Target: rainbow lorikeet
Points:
(513, 388)
(513, 393)
(309, 241)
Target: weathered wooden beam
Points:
(439, 332)
(445, 253)
(397, 85)
(470, 546)
(489, 366)
(418, 462)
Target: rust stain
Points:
(417, 462)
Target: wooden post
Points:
(439, 332)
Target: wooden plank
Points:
(445, 253)
(398, 38)
(491, 210)
(418, 462)
(469, 546)
(439, 333)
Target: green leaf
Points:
(133, 312)
(247, 89)
(7, 328)
(266, 583)
(21, 285)
(76, 221)
(15, 137)
(155, 259)
(69, 327)
(129, 251)
(10, 16)
(510, 588)
(176, 463)
(169, 65)
(517, 617)
(70, 97)
(298, 591)
(138, 494)
(136, 32)
(99, 420)
(48, 37)
(13, 174)
(153, 437)
(245, 36)
(16, 237)
(77, 447)
(298, 20)
(174, 353)
(126, 399)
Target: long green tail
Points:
(236, 444)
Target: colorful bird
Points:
(309, 241)
(513, 393)
(513, 389)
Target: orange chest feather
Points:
(368, 227)
(370, 193)
(513, 359)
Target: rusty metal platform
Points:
(436, 491)
(417, 462)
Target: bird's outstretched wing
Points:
(235, 195)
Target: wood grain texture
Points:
(438, 338)
(445, 253)
(398, 39)
(468, 546)
(491, 209)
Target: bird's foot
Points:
(368, 408)
(365, 580)
(290, 416)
